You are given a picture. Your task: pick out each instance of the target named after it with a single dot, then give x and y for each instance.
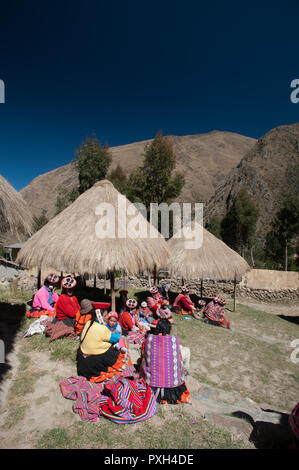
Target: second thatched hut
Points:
(212, 260)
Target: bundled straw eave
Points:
(70, 243)
(15, 216)
(212, 260)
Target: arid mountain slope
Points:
(269, 171)
(204, 159)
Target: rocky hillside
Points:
(268, 171)
(204, 159)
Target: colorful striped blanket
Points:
(130, 401)
(162, 363)
(121, 400)
(135, 337)
(88, 397)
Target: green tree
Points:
(154, 181)
(214, 227)
(119, 179)
(65, 198)
(239, 224)
(282, 238)
(92, 162)
(39, 222)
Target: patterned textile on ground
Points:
(37, 327)
(130, 401)
(120, 400)
(294, 421)
(162, 368)
(88, 397)
(38, 313)
(123, 367)
(215, 314)
(181, 311)
(136, 337)
(58, 330)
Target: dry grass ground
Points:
(252, 360)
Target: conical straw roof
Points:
(213, 260)
(15, 216)
(70, 242)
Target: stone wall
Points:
(257, 284)
(11, 274)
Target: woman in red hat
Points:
(155, 299)
(214, 313)
(67, 305)
(128, 318)
(183, 304)
(45, 298)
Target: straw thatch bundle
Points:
(213, 260)
(69, 241)
(15, 216)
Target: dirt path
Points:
(47, 409)
(45, 406)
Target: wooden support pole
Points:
(235, 289)
(125, 281)
(155, 275)
(105, 289)
(39, 279)
(95, 282)
(112, 290)
(201, 288)
(149, 279)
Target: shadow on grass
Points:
(265, 435)
(290, 319)
(11, 318)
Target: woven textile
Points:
(38, 313)
(294, 421)
(136, 337)
(130, 401)
(121, 400)
(58, 330)
(88, 397)
(215, 313)
(162, 365)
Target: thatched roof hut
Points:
(15, 216)
(71, 241)
(213, 260)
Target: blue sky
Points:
(125, 70)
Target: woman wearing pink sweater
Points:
(46, 297)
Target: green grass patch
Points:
(176, 433)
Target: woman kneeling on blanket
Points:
(96, 352)
(162, 365)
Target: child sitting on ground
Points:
(145, 313)
(113, 325)
(164, 312)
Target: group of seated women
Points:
(103, 348)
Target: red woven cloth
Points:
(58, 330)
